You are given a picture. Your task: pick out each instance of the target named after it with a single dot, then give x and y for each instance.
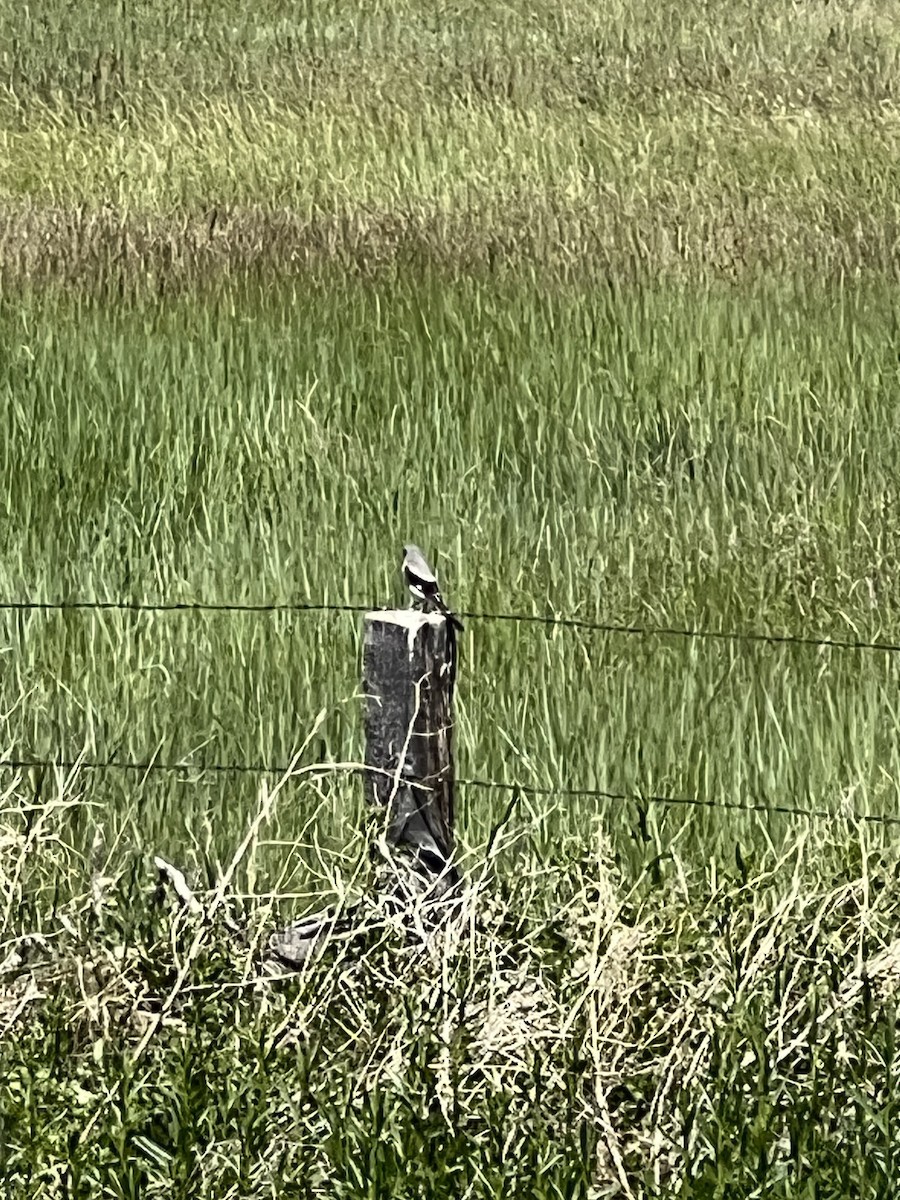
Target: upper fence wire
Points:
(748, 637)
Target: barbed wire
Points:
(750, 636)
(525, 789)
(640, 798)
(605, 627)
(114, 764)
(181, 606)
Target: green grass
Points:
(595, 302)
(715, 457)
(709, 459)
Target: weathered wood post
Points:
(409, 673)
(409, 668)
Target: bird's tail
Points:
(451, 617)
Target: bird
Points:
(423, 584)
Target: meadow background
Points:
(598, 305)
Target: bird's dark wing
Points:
(428, 587)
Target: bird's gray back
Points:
(416, 563)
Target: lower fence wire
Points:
(525, 789)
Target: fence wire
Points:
(748, 637)
(260, 769)
(640, 799)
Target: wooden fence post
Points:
(409, 667)
(409, 672)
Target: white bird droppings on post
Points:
(412, 618)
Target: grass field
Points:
(159, 140)
(600, 308)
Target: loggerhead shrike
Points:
(422, 583)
